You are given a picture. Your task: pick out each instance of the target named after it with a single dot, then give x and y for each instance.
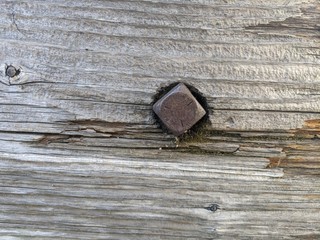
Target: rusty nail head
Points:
(179, 110)
(11, 71)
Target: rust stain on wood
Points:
(274, 162)
(303, 152)
(312, 123)
(310, 129)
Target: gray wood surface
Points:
(81, 156)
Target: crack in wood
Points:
(303, 25)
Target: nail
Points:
(179, 110)
(11, 71)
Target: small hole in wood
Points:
(12, 71)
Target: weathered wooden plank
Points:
(81, 156)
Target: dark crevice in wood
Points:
(262, 110)
(59, 138)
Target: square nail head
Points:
(179, 110)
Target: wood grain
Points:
(82, 157)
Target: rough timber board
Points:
(82, 158)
